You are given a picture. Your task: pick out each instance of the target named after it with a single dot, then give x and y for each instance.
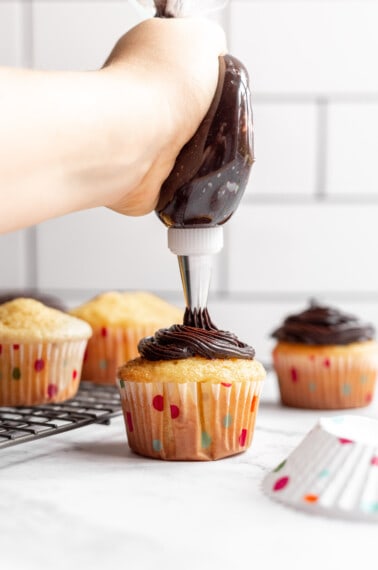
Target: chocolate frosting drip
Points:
(197, 336)
(323, 326)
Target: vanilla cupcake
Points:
(193, 395)
(41, 353)
(119, 321)
(325, 359)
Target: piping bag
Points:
(210, 174)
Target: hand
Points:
(108, 137)
(174, 63)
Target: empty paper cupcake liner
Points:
(333, 472)
(38, 373)
(189, 421)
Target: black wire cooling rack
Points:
(92, 404)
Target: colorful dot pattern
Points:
(160, 405)
(309, 377)
(52, 390)
(310, 498)
(16, 373)
(281, 483)
(243, 437)
(39, 365)
(346, 389)
(280, 466)
(129, 422)
(227, 420)
(103, 364)
(175, 411)
(205, 440)
(254, 403)
(109, 348)
(157, 445)
(287, 484)
(38, 373)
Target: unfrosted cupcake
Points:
(119, 321)
(41, 353)
(193, 395)
(325, 359)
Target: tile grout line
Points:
(298, 199)
(226, 17)
(321, 150)
(27, 60)
(287, 98)
(221, 261)
(26, 18)
(236, 297)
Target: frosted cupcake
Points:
(325, 359)
(193, 394)
(41, 353)
(119, 321)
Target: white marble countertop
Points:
(83, 500)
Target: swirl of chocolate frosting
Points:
(323, 326)
(197, 336)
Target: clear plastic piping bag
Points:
(181, 8)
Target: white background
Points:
(307, 226)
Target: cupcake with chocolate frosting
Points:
(325, 359)
(193, 394)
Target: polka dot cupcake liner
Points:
(333, 472)
(39, 373)
(189, 421)
(108, 349)
(317, 379)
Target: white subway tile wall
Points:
(78, 35)
(13, 247)
(310, 248)
(284, 133)
(353, 148)
(114, 253)
(308, 224)
(308, 46)
(11, 33)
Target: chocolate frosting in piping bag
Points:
(212, 170)
(323, 326)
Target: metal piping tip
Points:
(195, 273)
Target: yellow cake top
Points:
(194, 369)
(28, 320)
(128, 309)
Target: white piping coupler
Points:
(195, 248)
